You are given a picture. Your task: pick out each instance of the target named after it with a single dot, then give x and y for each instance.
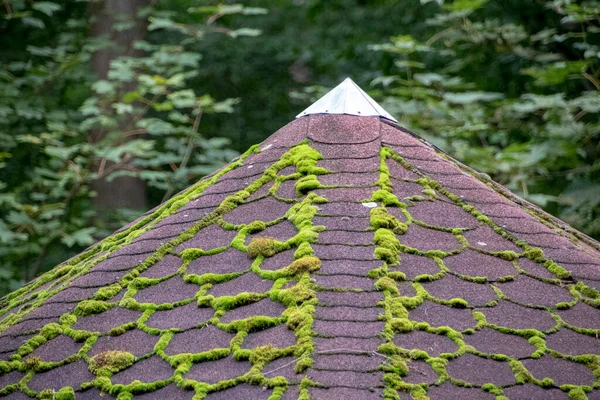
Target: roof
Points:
(342, 258)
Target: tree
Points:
(51, 104)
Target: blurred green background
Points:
(109, 107)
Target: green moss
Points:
(587, 291)
(304, 250)
(251, 324)
(387, 284)
(534, 254)
(521, 373)
(32, 362)
(256, 226)
(264, 246)
(306, 184)
(458, 303)
(189, 255)
(557, 270)
(401, 325)
(388, 247)
(295, 295)
(226, 303)
(507, 255)
(577, 394)
(301, 265)
(380, 218)
(491, 388)
(108, 292)
(65, 393)
(305, 159)
(386, 198)
(89, 307)
(109, 362)
(210, 278)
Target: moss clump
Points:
(401, 325)
(304, 250)
(557, 270)
(388, 247)
(521, 373)
(386, 198)
(387, 284)
(264, 246)
(189, 255)
(507, 255)
(256, 226)
(380, 218)
(32, 362)
(89, 307)
(304, 264)
(305, 159)
(458, 303)
(108, 292)
(295, 295)
(577, 394)
(307, 184)
(534, 254)
(109, 362)
(66, 393)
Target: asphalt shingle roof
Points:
(343, 258)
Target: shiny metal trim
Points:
(347, 98)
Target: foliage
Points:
(51, 106)
(515, 99)
(510, 88)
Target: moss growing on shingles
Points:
(306, 184)
(65, 393)
(251, 324)
(387, 284)
(89, 307)
(226, 303)
(557, 270)
(534, 254)
(109, 362)
(264, 246)
(305, 264)
(210, 278)
(386, 198)
(388, 247)
(304, 250)
(577, 394)
(380, 218)
(507, 255)
(108, 292)
(305, 159)
(587, 291)
(255, 227)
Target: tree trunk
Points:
(122, 192)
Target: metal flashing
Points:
(347, 98)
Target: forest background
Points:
(109, 107)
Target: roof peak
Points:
(347, 98)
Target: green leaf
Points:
(471, 97)
(82, 237)
(103, 87)
(556, 73)
(35, 22)
(588, 102)
(465, 5)
(245, 32)
(63, 153)
(46, 7)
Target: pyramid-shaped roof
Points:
(342, 258)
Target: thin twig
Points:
(7, 7)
